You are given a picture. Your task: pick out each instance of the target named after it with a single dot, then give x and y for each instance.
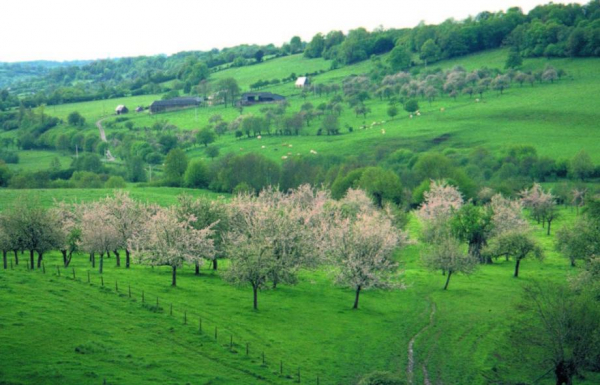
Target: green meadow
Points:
(557, 119)
(47, 197)
(308, 327)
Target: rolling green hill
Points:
(557, 119)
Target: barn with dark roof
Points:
(175, 104)
(250, 98)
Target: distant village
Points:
(246, 99)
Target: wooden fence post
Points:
(102, 279)
(215, 332)
(43, 267)
(230, 341)
(116, 286)
(171, 309)
(247, 348)
(280, 366)
(129, 291)
(73, 274)
(88, 276)
(263, 357)
(298, 375)
(185, 317)
(156, 302)
(200, 325)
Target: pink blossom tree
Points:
(97, 236)
(207, 212)
(272, 236)
(440, 203)
(69, 230)
(360, 245)
(507, 215)
(127, 217)
(167, 240)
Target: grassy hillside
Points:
(558, 119)
(160, 195)
(309, 326)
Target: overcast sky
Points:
(92, 29)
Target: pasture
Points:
(309, 326)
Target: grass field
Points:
(309, 326)
(160, 195)
(558, 119)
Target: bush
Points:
(411, 106)
(197, 175)
(115, 182)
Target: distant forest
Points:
(552, 30)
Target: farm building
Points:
(250, 98)
(174, 104)
(302, 82)
(139, 109)
(121, 109)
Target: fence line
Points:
(314, 379)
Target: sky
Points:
(93, 29)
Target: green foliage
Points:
(411, 106)
(197, 175)
(399, 59)
(514, 59)
(382, 185)
(206, 136)
(116, 182)
(176, 163)
(430, 52)
(76, 119)
(254, 170)
(581, 166)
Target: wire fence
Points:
(223, 337)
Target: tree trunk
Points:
(69, 258)
(174, 283)
(127, 259)
(64, 254)
(118, 257)
(197, 268)
(215, 264)
(40, 257)
(31, 260)
(517, 267)
(4, 259)
(93, 259)
(101, 264)
(549, 224)
(356, 298)
(564, 372)
(448, 280)
(572, 262)
(255, 290)
(16, 257)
